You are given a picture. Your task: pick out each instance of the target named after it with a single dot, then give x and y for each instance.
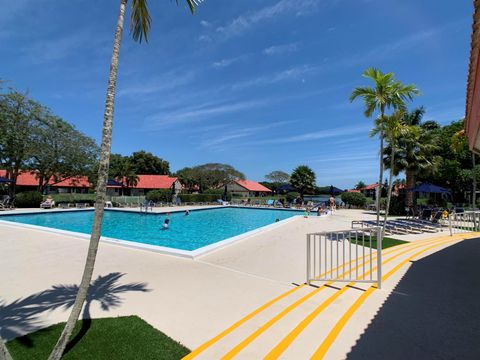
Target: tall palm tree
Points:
(415, 150)
(388, 93)
(139, 27)
(393, 128)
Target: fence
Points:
(466, 221)
(346, 256)
(128, 200)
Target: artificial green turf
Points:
(111, 338)
(386, 243)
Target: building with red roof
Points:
(28, 180)
(145, 183)
(248, 188)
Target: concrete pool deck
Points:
(190, 300)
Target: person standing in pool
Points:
(332, 203)
(165, 224)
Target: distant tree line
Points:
(33, 138)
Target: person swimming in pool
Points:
(166, 224)
(187, 212)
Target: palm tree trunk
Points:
(380, 177)
(101, 191)
(4, 354)
(389, 194)
(410, 183)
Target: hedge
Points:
(28, 199)
(159, 195)
(354, 199)
(187, 198)
(73, 198)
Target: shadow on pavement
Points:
(433, 313)
(22, 315)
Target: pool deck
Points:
(190, 300)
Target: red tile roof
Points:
(353, 190)
(155, 182)
(370, 187)
(28, 178)
(252, 186)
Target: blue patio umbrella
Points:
(4, 180)
(429, 188)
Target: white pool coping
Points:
(191, 254)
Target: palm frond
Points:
(192, 4)
(140, 20)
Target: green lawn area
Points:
(111, 338)
(386, 243)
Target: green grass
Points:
(111, 338)
(386, 243)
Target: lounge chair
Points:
(6, 204)
(48, 204)
(270, 202)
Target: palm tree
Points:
(139, 27)
(393, 128)
(415, 150)
(387, 94)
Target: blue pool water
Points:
(199, 229)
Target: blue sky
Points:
(259, 84)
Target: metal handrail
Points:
(324, 250)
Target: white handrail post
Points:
(379, 257)
(308, 258)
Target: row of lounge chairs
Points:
(7, 203)
(426, 220)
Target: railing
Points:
(466, 221)
(128, 200)
(346, 256)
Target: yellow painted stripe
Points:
(288, 340)
(327, 343)
(297, 303)
(224, 333)
(230, 329)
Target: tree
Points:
(278, 176)
(393, 127)
(415, 151)
(387, 94)
(459, 142)
(18, 118)
(139, 26)
(208, 176)
(303, 179)
(59, 151)
(146, 163)
(360, 185)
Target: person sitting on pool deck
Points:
(165, 224)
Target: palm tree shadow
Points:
(22, 315)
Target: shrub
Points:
(163, 195)
(73, 198)
(291, 196)
(198, 198)
(28, 199)
(354, 199)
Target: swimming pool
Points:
(200, 229)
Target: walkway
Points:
(325, 321)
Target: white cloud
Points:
(281, 49)
(293, 73)
(316, 135)
(166, 81)
(244, 22)
(230, 61)
(193, 114)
